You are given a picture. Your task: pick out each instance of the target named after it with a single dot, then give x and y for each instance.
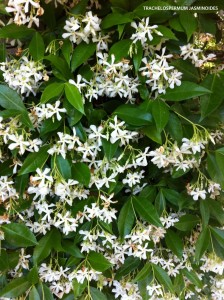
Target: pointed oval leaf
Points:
(34, 160)
(74, 97)
(97, 294)
(174, 243)
(34, 295)
(15, 288)
(160, 113)
(163, 277)
(81, 54)
(202, 243)
(187, 222)
(126, 219)
(81, 173)
(186, 90)
(19, 235)
(146, 211)
(36, 47)
(98, 261)
(53, 90)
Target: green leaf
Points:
(214, 169)
(163, 277)
(166, 32)
(81, 173)
(190, 72)
(210, 102)
(137, 56)
(4, 261)
(96, 294)
(60, 64)
(15, 288)
(133, 115)
(66, 50)
(13, 31)
(74, 97)
(18, 235)
(80, 8)
(126, 219)
(160, 202)
(218, 234)
(143, 273)
(187, 222)
(160, 113)
(174, 243)
(120, 49)
(98, 261)
(189, 23)
(49, 125)
(81, 54)
(64, 167)
(34, 160)
(21, 183)
(78, 288)
(109, 148)
(45, 292)
(216, 210)
(131, 263)
(115, 19)
(186, 90)
(72, 249)
(33, 276)
(36, 47)
(10, 99)
(174, 127)
(146, 211)
(44, 247)
(202, 243)
(153, 133)
(53, 90)
(34, 295)
(175, 24)
(193, 277)
(205, 212)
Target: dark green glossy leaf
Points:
(18, 235)
(193, 277)
(189, 23)
(35, 160)
(74, 97)
(81, 54)
(61, 65)
(64, 167)
(174, 243)
(126, 219)
(98, 261)
(36, 47)
(97, 294)
(160, 113)
(34, 295)
(143, 273)
(163, 277)
(130, 264)
(146, 211)
(43, 249)
(120, 49)
(78, 287)
(114, 19)
(15, 288)
(109, 148)
(133, 115)
(186, 90)
(81, 173)
(202, 243)
(14, 31)
(4, 261)
(53, 90)
(187, 222)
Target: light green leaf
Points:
(146, 211)
(98, 261)
(78, 287)
(174, 243)
(186, 90)
(81, 54)
(10, 99)
(51, 91)
(81, 173)
(74, 97)
(126, 219)
(36, 47)
(34, 160)
(15, 288)
(18, 235)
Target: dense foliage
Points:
(112, 156)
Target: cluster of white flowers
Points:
(144, 31)
(110, 79)
(196, 56)
(202, 189)
(83, 28)
(23, 75)
(126, 290)
(7, 190)
(160, 75)
(25, 11)
(47, 111)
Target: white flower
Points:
(197, 193)
(18, 143)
